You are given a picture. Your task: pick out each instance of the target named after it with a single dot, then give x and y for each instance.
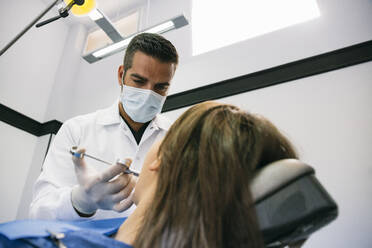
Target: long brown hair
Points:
(206, 162)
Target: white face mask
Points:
(141, 105)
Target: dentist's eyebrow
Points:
(137, 76)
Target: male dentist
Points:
(125, 130)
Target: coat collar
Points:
(111, 116)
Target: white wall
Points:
(27, 74)
(63, 90)
(28, 68)
(328, 119)
(36, 162)
(16, 151)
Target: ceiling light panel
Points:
(118, 46)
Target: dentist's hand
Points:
(108, 190)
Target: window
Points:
(218, 23)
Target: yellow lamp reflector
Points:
(84, 9)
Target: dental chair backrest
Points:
(290, 202)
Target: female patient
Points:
(193, 190)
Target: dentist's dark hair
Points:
(153, 45)
(207, 161)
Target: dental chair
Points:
(290, 202)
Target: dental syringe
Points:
(122, 162)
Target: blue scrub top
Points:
(82, 233)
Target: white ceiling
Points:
(113, 9)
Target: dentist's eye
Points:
(162, 87)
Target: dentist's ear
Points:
(121, 75)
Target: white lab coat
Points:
(105, 135)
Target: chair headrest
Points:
(277, 175)
(290, 202)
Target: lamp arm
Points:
(47, 21)
(27, 27)
(62, 13)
